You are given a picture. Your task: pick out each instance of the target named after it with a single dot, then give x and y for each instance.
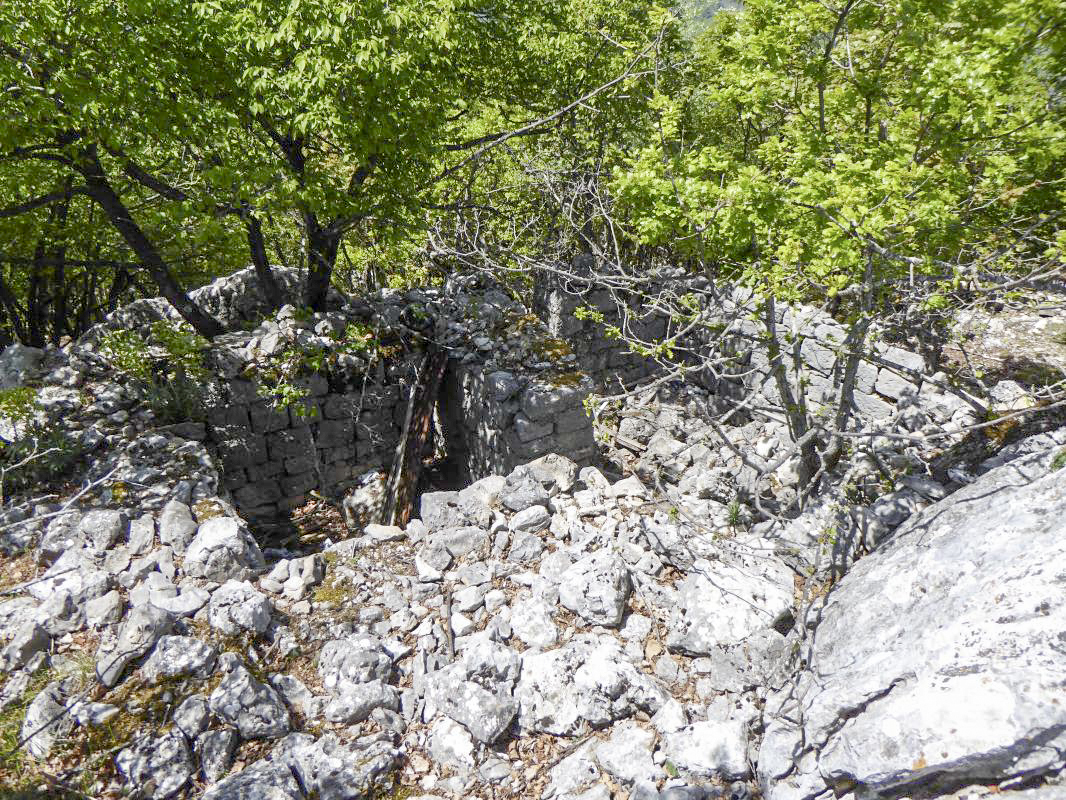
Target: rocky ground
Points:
(640, 630)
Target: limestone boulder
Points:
(938, 660)
(223, 548)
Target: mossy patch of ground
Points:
(76, 763)
(13, 760)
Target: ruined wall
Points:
(496, 420)
(885, 376)
(607, 361)
(511, 393)
(272, 458)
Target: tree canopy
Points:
(808, 138)
(198, 133)
(148, 146)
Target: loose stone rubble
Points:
(637, 629)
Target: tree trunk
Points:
(322, 247)
(794, 403)
(854, 346)
(101, 191)
(59, 274)
(11, 305)
(35, 311)
(257, 247)
(417, 432)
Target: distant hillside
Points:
(698, 13)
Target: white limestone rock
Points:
(587, 680)
(161, 765)
(725, 602)
(938, 658)
(627, 754)
(252, 707)
(223, 549)
(596, 588)
(179, 656)
(236, 606)
(139, 633)
(709, 748)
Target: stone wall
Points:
(607, 361)
(885, 376)
(506, 399)
(272, 458)
(495, 421)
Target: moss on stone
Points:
(208, 509)
(567, 379)
(551, 348)
(331, 593)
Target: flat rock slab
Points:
(938, 661)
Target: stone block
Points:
(243, 450)
(234, 479)
(586, 456)
(556, 307)
(603, 301)
(542, 401)
(294, 466)
(267, 419)
(502, 386)
(242, 392)
(565, 443)
(341, 406)
(533, 449)
(872, 406)
(335, 454)
(527, 430)
(365, 450)
(258, 494)
(290, 443)
(373, 427)
(596, 362)
(817, 356)
(380, 396)
(232, 415)
(574, 420)
(299, 484)
(865, 377)
(268, 469)
(336, 432)
(891, 385)
(904, 358)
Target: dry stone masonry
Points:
(886, 376)
(506, 398)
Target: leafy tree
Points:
(810, 139)
(192, 127)
(873, 155)
(535, 204)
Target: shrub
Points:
(32, 451)
(168, 376)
